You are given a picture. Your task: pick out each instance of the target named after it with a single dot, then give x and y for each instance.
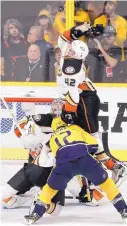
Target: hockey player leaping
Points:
(71, 146)
(82, 102)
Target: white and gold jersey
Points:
(73, 78)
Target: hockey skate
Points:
(124, 215)
(34, 200)
(119, 174)
(37, 213)
(30, 219)
(54, 209)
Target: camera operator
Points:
(109, 17)
(107, 57)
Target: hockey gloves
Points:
(68, 117)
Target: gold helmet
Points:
(57, 123)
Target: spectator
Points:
(57, 61)
(30, 69)
(106, 57)
(95, 8)
(109, 17)
(36, 36)
(125, 49)
(14, 47)
(125, 63)
(35, 33)
(80, 16)
(2, 66)
(44, 20)
(60, 22)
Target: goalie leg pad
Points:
(37, 175)
(28, 176)
(14, 201)
(19, 181)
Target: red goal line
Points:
(27, 99)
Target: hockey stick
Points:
(87, 189)
(71, 197)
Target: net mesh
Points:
(11, 147)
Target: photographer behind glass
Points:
(106, 57)
(110, 17)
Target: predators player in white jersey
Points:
(82, 103)
(71, 146)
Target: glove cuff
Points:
(68, 117)
(75, 34)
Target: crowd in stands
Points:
(35, 57)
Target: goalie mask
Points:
(76, 49)
(56, 107)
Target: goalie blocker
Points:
(26, 178)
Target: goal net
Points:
(11, 147)
(12, 110)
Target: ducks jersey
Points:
(73, 78)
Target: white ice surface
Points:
(73, 213)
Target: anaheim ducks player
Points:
(21, 187)
(71, 146)
(82, 103)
